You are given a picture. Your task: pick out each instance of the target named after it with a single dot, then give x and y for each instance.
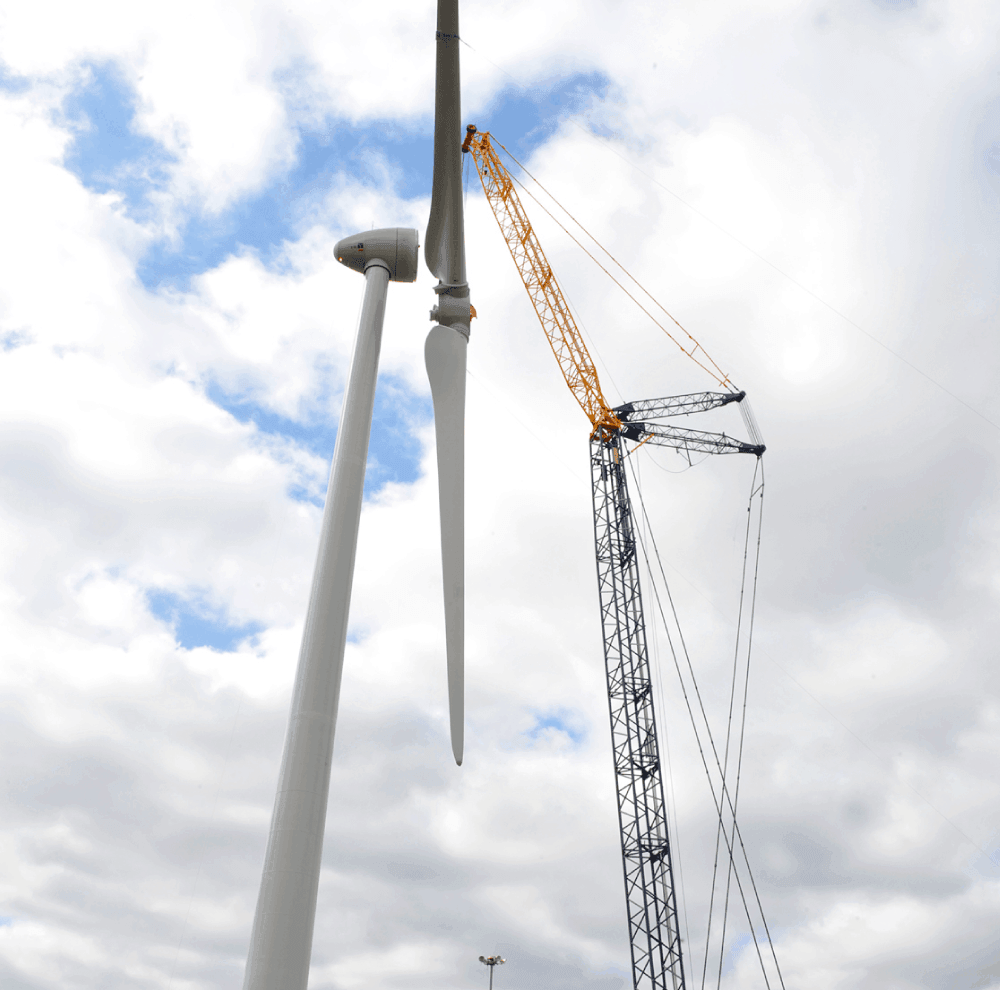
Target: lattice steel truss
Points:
(543, 289)
(649, 882)
(651, 902)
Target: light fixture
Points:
(492, 962)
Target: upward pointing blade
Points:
(445, 354)
(444, 245)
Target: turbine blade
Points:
(445, 354)
(444, 245)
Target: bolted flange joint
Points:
(453, 308)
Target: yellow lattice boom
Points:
(553, 312)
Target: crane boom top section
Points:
(553, 311)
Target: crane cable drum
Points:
(546, 296)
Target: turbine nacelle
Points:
(395, 247)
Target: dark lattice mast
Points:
(650, 898)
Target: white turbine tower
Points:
(281, 940)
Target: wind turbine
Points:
(281, 940)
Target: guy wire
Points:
(724, 791)
(725, 759)
(756, 491)
(718, 374)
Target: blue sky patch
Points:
(522, 119)
(267, 220)
(562, 720)
(12, 339)
(734, 949)
(394, 450)
(108, 154)
(196, 624)
(311, 432)
(11, 83)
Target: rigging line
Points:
(683, 470)
(676, 831)
(833, 309)
(720, 376)
(717, 801)
(585, 333)
(758, 468)
(746, 682)
(657, 681)
(751, 422)
(680, 633)
(758, 493)
(737, 832)
(704, 762)
(729, 733)
(638, 445)
(880, 757)
(653, 298)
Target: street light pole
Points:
(492, 962)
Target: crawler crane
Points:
(651, 901)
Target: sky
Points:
(811, 188)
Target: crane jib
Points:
(540, 282)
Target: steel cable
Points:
(718, 374)
(756, 491)
(723, 797)
(725, 759)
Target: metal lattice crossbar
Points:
(649, 884)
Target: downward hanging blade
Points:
(445, 354)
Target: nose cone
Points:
(396, 247)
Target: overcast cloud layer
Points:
(812, 188)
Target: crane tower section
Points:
(651, 901)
